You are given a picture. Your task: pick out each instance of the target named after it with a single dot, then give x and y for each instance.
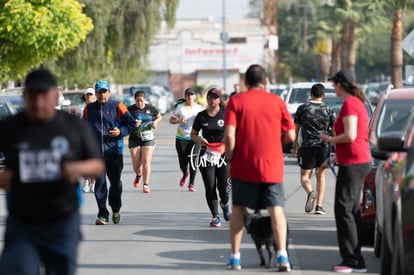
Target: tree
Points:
(119, 44)
(396, 56)
(34, 31)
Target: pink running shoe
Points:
(183, 181)
(191, 187)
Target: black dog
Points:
(260, 229)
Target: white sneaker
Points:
(86, 188)
(92, 188)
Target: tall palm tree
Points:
(396, 55)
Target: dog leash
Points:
(328, 161)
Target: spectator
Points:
(236, 89)
(255, 158)
(353, 158)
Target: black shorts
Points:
(312, 157)
(134, 142)
(256, 195)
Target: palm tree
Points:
(396, 55)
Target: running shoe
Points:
(283, 263)
(226, 211)
(116, 217)
(319, 210)
(136, 181)
(86, 186)
(183, 180)
(146, 188)
(215, 222)
(234, 264)
(92, 188)
(101, 221)
(310, 201)
(191, 187)
(343, 268)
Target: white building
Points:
(192, 53)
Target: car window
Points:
(299, 95)
(393, 116)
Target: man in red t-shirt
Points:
(255, 121)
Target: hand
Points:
(137, 123)
(114, 132)
(325, 137)
(183, 120)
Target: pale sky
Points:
(194, 9)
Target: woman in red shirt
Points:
(353, 158)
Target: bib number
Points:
(212, 156)
(147, 135)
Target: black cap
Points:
(343, 76)
(40, 80)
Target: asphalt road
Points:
(167, 232)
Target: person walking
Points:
(254, 155)
(141, 142)
(44, 158)
(353, 158)
(89, 96)
(110, 121)
(184, 114)
(311, 119)
(213, 167)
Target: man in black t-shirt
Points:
(46, 152)
(311, 119)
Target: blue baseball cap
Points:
(102, 85)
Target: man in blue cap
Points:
(111, 121)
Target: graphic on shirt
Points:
(42, 165)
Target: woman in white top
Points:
(184, 114)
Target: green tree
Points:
(118, 46)
(34, 31)
(396, 55)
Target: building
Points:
(192, 53)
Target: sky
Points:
(194, 9)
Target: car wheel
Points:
(377, 240)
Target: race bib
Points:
(214, 152)
(147, 135)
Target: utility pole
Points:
(224, 38)
(270, 12)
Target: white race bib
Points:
(147, 135)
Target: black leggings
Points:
(187, 150)
(215, 177)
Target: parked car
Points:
(391, 114)
(15, 95)
(75, 99)
(396, 150)
(150, 95)
(278, 89)
(335, 103)
(6, 108)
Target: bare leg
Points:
(136, 159)
(146, 157)
(305, 179)
(320, 184)
(236, 227)
(279, 226)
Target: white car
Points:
(299, 93)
